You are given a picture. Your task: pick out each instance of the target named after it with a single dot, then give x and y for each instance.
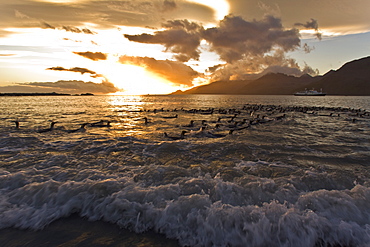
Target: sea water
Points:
(294, 171)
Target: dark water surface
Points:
(294, 171)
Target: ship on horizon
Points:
(311, 92)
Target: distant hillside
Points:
(353, 78)
(267, 84)
(276, 84)
(219, 87)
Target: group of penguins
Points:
(228, 120)
(101, 123)
(231, 120)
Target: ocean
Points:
(247, 171)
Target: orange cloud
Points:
(176, 72)
(95, 56)
(77, 69)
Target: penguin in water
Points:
(218, 135)
(191, 124)
(280, 117)
(182, 136)
(175, 116)
(101, 123)
(202, 132)
(81, 129)
(97, 124)
(16, 124)
(47, 129)
(146, 120)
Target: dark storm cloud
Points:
(183, 24)
(295, 71)
(182, 37)
(95, 56)
(306, 48)
(312, 24)
(245, 69)
(246, 46)
(236, 38)
(77, 69)
(215, 67)
(175, 72)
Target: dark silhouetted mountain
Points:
(277, 84)
(217, 87)
(267, 84)
(353, 78)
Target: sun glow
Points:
(135, 80)
(221, 7)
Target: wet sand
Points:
(75, 231)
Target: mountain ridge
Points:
(352, 78)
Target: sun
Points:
(135, 80)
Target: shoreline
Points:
(77, 231)
(45, 94)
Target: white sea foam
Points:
(218, 213)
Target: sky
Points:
(160, 46)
